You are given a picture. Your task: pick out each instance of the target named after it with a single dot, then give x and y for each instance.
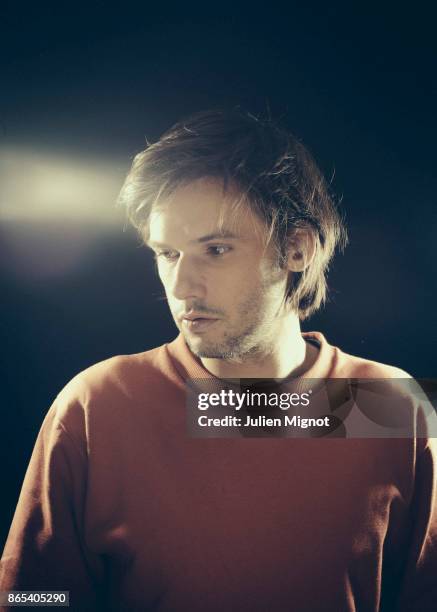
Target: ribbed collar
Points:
(189, 366)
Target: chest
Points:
(245, 523)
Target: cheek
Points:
(247, 288)
(165, 277)
(234, 285)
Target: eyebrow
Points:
(217, 236)
(214, 236)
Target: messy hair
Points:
(272, 171)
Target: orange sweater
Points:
(120, 506)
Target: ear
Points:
(301, 250)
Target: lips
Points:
(192, 315)
(195, 323)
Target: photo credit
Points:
(309, 408)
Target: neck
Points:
(287, 355)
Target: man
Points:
(124, 509)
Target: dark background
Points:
(81, 88)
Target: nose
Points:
(187, 280)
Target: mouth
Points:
(198, 324)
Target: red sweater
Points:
(120, 505)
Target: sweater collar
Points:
(189, 366)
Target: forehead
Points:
(201, 208)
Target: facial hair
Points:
(250, 336)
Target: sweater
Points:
(126, 511)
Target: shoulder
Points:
(107, 389)
(352, 366)
(121, 374)
(389, 393)
(384, 380)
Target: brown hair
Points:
(272, 170)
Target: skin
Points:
(234, 279)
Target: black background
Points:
(356, 84)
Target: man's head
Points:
(242, 224)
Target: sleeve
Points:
(419, 584)
(45, 548)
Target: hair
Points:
(273, 172)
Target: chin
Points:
(210, 350)
(204, 349)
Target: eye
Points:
(167, 255)
(218, 250)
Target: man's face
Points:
(224, 288)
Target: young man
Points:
(121, 507)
